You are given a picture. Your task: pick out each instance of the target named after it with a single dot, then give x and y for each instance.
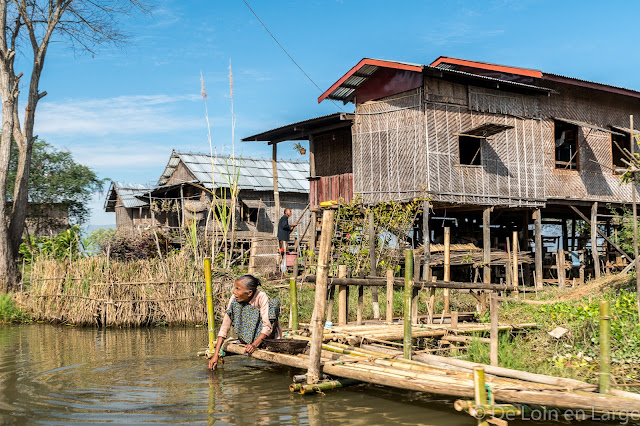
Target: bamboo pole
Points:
(372, 261)
(343, 298)
(414, 292)
(317, 320)
(539, 249)
(325, 385)
(605, 348)
(479, 392)
(210, 312)
(493, 348)
(408, 293)
(293, 294)
(389, 295)
(447, 266)
(594, 240)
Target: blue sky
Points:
(123, 110)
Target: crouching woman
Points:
(253, 315)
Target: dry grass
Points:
(102, 292)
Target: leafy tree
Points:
(56, 178)
(27, 27)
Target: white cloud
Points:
(141, 114)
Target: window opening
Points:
(618, 143)
(470, 149)
(566, 137)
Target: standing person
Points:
(284, 230)
(252, 314)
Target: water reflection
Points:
(59, 375)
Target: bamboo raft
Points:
(451, 377)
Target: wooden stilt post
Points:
(594, 240)
(635, 216)
(322, 278)
(408, 292)
(493, 349)
(389, 295)
(342, 297)
(432, 302)
(454, 320)
(524, 246)
(447, 265)
(486, 251)
(561, 270)
(514, 253)
(360, 304)
(276, 193)
(415, 293)
(426, 235)
(293, 295)
(312, 173)
(331, 297)
(539, 250)
(372, 261)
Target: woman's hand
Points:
(250, 348)
(213, 362)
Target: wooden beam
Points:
(399, 282)
(602, 234)
(276, 193)
(539, 247)
(447, 266)
(372, 262)
(426, 236)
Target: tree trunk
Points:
(20, 197)
(8, 270)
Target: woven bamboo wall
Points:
(268, 217)
(388, 147)
(405, 148)
(333, 152)
(593, 181)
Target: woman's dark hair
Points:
(250, 282)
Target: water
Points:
(58, 375)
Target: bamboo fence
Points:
(98, 291)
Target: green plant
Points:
(65, 245)
(9, 311)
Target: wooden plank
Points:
(602, 234)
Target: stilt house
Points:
(491, 146)
(185, 188)
(131, 208)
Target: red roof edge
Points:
(368, 61)
(487, 66)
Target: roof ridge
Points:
(179, 153)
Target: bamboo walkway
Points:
(452, 377)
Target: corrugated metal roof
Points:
(253, 173)
(129, 193)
